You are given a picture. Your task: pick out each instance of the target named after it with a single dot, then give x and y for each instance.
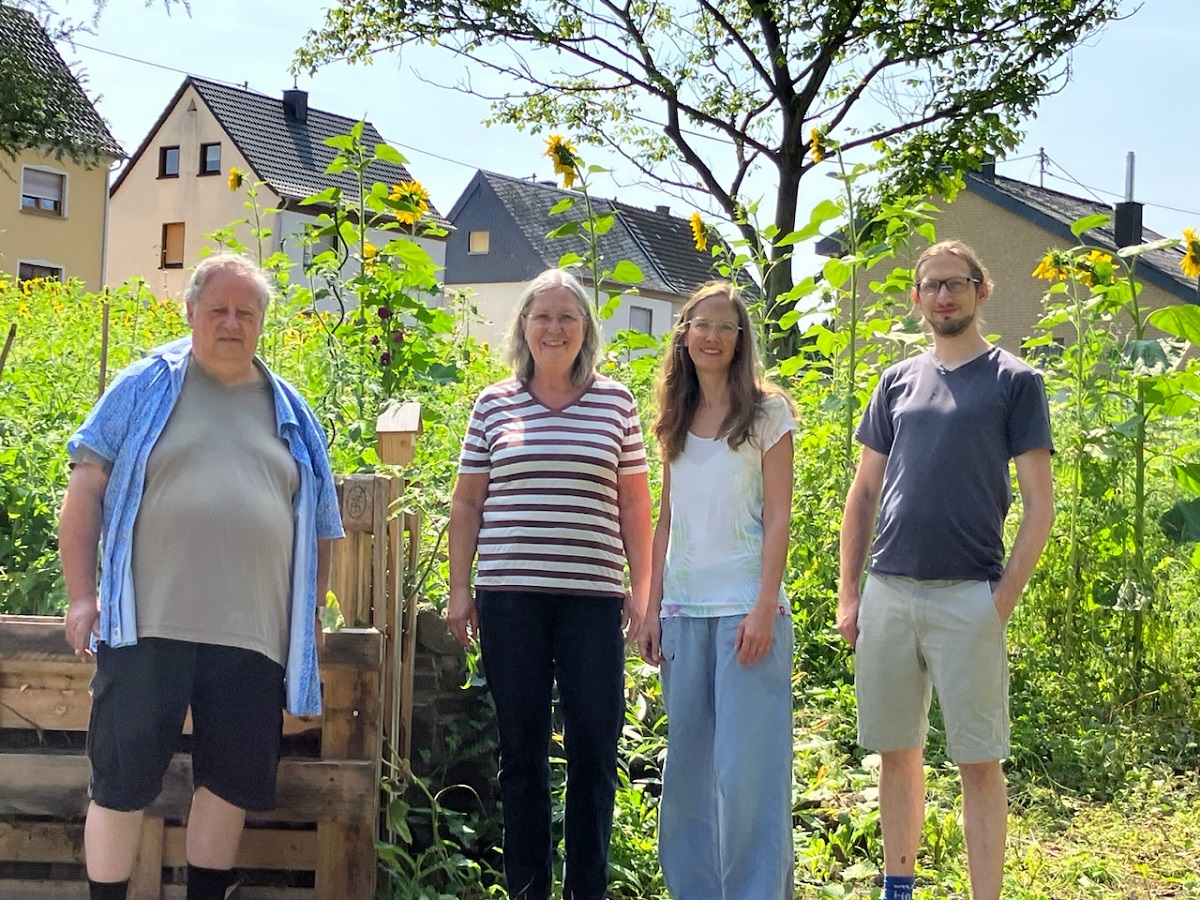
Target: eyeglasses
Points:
(931, 287)
(707, 326)
(564, 320)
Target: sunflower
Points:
(699, 234)
(413, 195)
(1055, 266)
(236, 177)
(1191, 253)
(562, 154)
(815, 146)
(1095, 269)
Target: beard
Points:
(952, 327)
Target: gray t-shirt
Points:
(212, 544)
(949, 436)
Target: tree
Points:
(42, 102)
(656, 82)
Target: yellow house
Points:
(53, 209)
(1011, 224)
(176, 191)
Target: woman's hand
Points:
(754, 634)
(462, 616)
(649, 640)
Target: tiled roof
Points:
(659, 243)
(1032, 201)
(290, 155)
(72, 118)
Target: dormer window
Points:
(210, 159)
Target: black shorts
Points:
(140, 698)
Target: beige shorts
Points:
(916, 636)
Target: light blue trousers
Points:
(725, 822)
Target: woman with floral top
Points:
(718, 622)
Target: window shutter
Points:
(43, 185)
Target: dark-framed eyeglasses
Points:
(931, 287)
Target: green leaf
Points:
(1181, 320)
(1131, 252)
(562, 206)
(1181, 523)
(1187, 476)
(328, 197)
(390, 154)
(627, 272)
(569, 259)
(788, 319)
(340, 142)
(565, 229)
(1148, 356)
(836, 273)
(1087, 223)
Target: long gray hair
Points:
(517, 353)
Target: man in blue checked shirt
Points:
(204, 479)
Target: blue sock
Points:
(898, 887)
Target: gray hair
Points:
(517, 353)
(239, 265)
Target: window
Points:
(641, 320)
(477, 241)
(210, 159)
(29, 271)
(168, 162)
(43, 192)
(172, 246)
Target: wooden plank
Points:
(46, 709)
(30, 889)
(408, 649)
(356, 494)
(260, 848)
(39, 639)
(68, 674)
(395, 607)
(346, 863)
(55, 785)
(379, 557)
(41, 842)
(146, 881)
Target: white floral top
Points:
(714, 554)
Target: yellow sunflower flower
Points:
(1053, 267)
(562, 154)
(236, 177)
(1191, 253)
(414, 194)
(814, 144)
(1095, 269)
(699, 235)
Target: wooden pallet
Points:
(328, 807)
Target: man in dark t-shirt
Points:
(937, 436)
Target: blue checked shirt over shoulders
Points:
(124, 426)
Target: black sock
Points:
(107, 890)
(208, 884)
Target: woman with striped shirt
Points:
(552, 496)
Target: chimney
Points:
(1127, 226)
(663, 209)
(987, 168)
(295, 105)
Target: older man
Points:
(207, 477)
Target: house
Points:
(1012, 224)
(499, 244)
(53, 207)
(176, 189)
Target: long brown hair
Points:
(678, 388)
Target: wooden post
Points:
(346, 863)
(8, 342)
(146, 883)
(104, 329)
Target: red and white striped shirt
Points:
(551, 521)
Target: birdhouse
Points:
(396, 430)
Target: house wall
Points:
(143, 202)
(73, 242)
(1010, 246)
(496, 305)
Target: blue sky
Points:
(1132, 89)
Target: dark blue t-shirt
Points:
(949, 436)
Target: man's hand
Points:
(82, 622)
(462, 616)
(1005, 604)
(631, 619)
(847, 616)
(754, 634)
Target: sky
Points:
(1132, 89)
